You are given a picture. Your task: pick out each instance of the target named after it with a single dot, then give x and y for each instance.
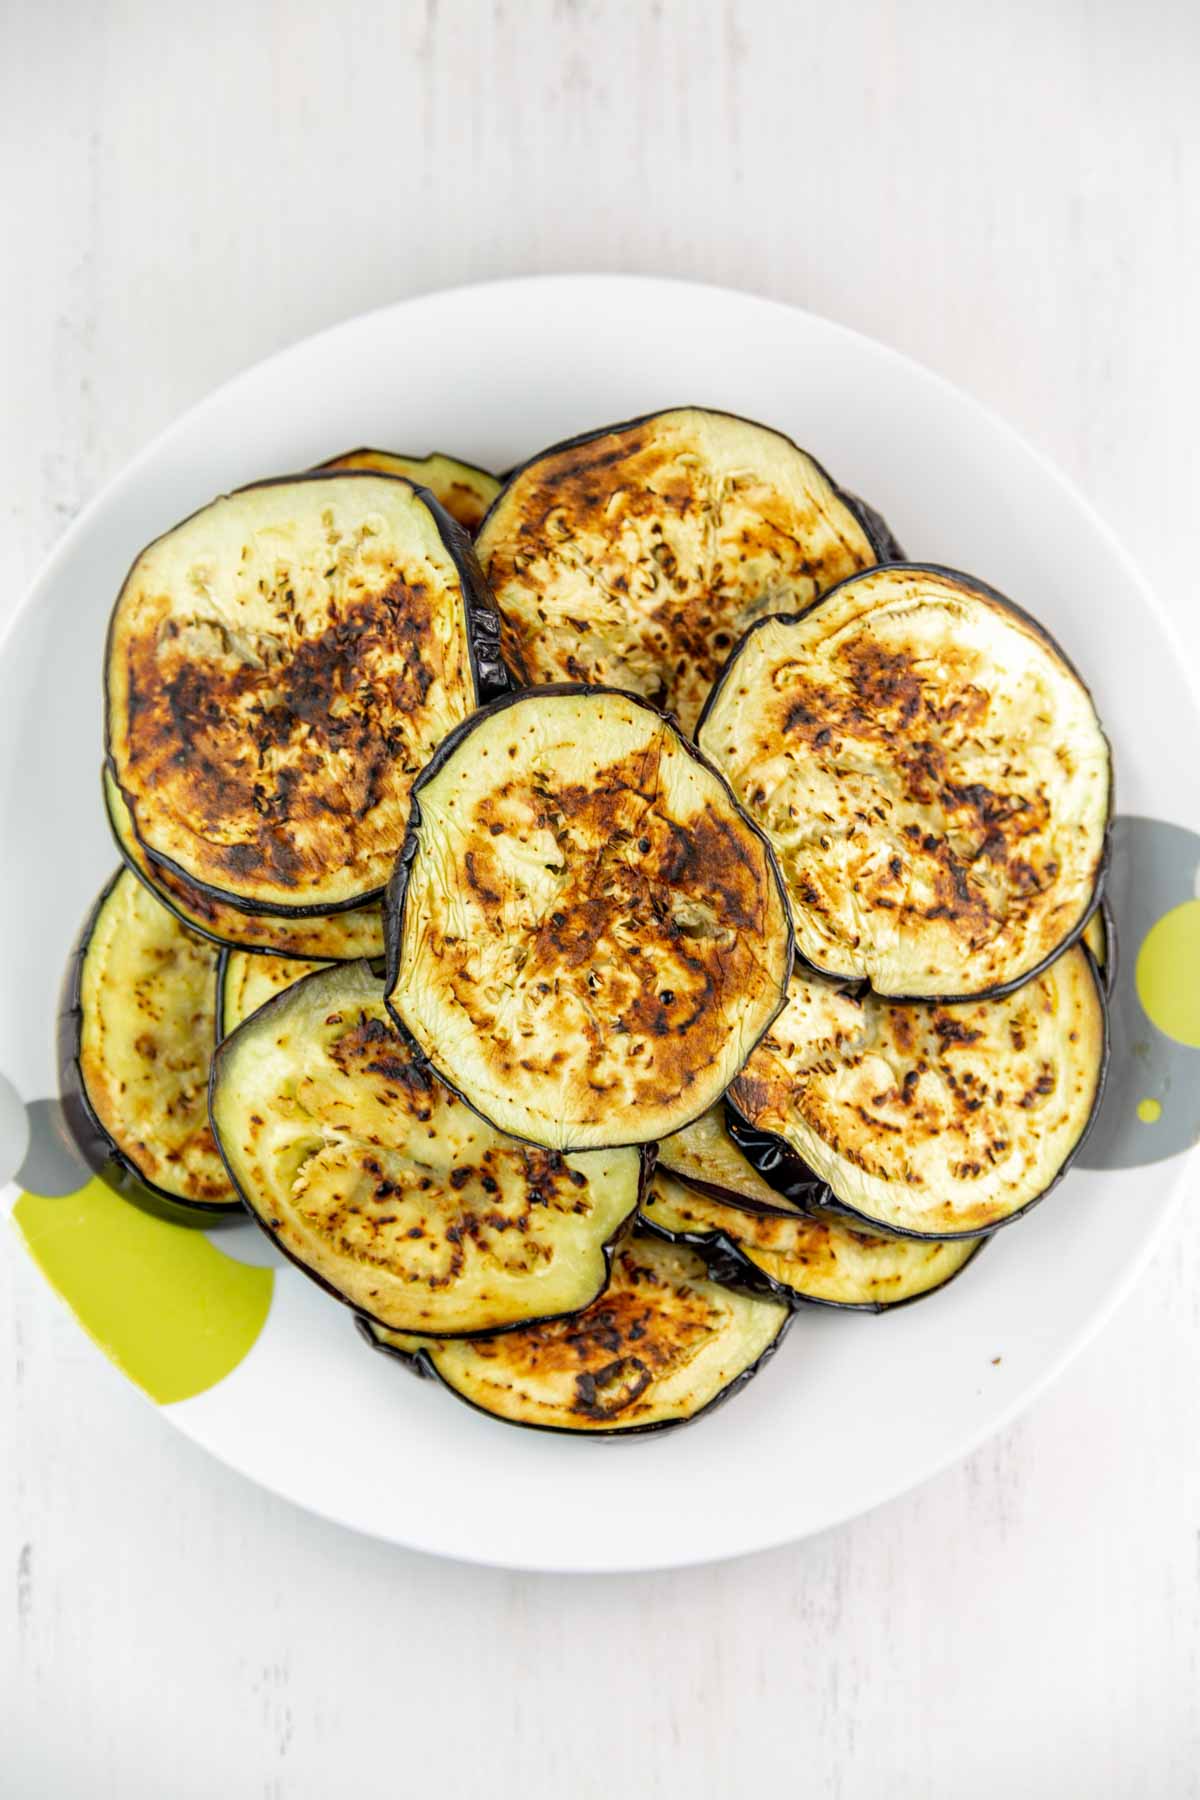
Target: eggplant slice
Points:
(389, 1191)
(586, 937)
(135, 1042)
(279, 668)
(817, 1257)
(932, 775)
(465, 491)
(246, 981)
(663, 1344)
(704, 1156)
(638, 554)
(334, 937)
(930, 1121)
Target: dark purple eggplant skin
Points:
(988, 593)
(878, 532)
(649, 1153)
(730, 1266)
(396, 893)
(728, 1196)
(98, 1150)
(489, 674)
(417, 1363)
(1108, 974)
(791, 1176)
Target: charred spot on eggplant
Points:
(465, 491)
(135, 1042)
(663, 1344)
(387, 1189)
(932, 775)
(637, 555)
(334, 937)
(704, 1156)
(928, 1120)
(586, 936)
(246, 981)
(279, 668)
(820, 1256)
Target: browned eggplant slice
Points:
(638, 554)
(705, 1157)
(819, 1257)
(135, 1042)
(932, 775)
(586, 937)
(279, 668)
(388, 1190)
(332, 937)
(465, 491)
(246, 981)
(930, 1121)
(663, 1344)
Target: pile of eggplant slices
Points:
(587, 916)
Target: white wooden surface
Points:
(1010, 193)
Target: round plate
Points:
(853, 1409)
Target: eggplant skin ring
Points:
(929, 1121)
(278, 669)
(634, 556)
(932, 775)
(586, 936)
(135, 1040)
(662, 1345)
(465, 491)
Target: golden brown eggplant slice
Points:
(388, 1190)
(663, 1344)
(637, 555)
(246, 981)
(331, 937)
(932, 775)
(928, 1120)
(136, 1040)
(586, 936)
(279, 668)
(465, 491)
(819, 1256)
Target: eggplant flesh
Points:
(819, 1257)
(635, 556)
(136, 1039)
(704, 1156)
(334, 937)
(586, 937)
(933, 778)
(663, 1344)
(927, 1120)
(246, 981)
(279, 668)
(388, 1190)
(465, 491)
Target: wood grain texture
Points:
(1009, 194)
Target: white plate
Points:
(853, 1410)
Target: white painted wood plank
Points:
(1006, 193)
